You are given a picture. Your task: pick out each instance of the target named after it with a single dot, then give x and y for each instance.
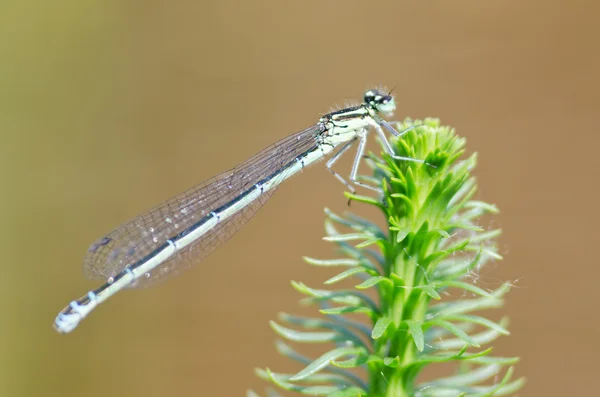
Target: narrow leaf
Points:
(417, 334)
(331, 262)
(306, 337)
(482, 338)
(466, 286)
(373, 281)
(496, 360)
(363, 199)
(347, 309)
(380, 326)
(510, 388)
(348, 237)
(318, 378)
(308, 390)
(392, 362)
(353, 362)
(339, 324)
(494, 389)
(469, 305)
(454, 329)
(485, 236)
(324, 361)
(429, 290)
(344, 297)
(461, 355)
(345, 274)
(397, 280)
(401, 235)
(287, 351)
(485, 206)
(368, 242)
(479, 320)
(472, 377)
(352, 391)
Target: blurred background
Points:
(109, 107)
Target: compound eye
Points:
(370, 96)
(385, 104)
(385, 99)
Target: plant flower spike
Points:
(415, 284)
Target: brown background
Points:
(109, 107)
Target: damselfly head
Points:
(380, 101)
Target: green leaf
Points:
(485, 236)
(348, 237)
(482, 338)
(397, 280)
(463, 194)
(409, 207)
(454, 329)
(401, 235)
(453, 268)
(348, 309)
(307, 337)
(507, 389)
(429, 290)
(352, 391)
(478, 320)
(411, 184)
(465, 226)
(443, 334)
(469, 305)
(343, 297)
(494, 389)
(363, 199)
(417, 333)
(392, 362)
(351, 362)
(436, 256)
(332, 262)
(308, 390)
(358, 226)
(485, 206)
(345, 274)
(460, 355)
(287, 351)
(380, 326)
(373, 281)
(325, 360)
(340, 325)
(369, 242)
(442, 233)
(318, 378)
(366, 224)
(466, 286)
(496, 360)
(472, 377)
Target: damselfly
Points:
(185, 229)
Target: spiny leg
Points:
(362, 144)
(397, 134)
(335, 158)
(392, 130)
(388, 147)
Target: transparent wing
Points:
(137, 238)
